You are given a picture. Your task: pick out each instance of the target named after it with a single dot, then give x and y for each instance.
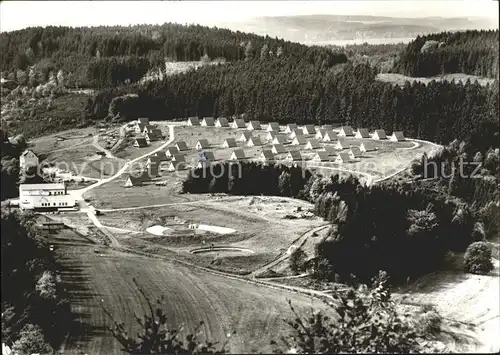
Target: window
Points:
(54, 203)
(50, 193)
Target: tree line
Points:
(471, 52)
(70, 49)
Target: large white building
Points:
(45, 196)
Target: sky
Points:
(21, 14)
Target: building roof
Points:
(341, 143)
(157, 158)
(246, 135)
(299, 140)
(209, 121)
(240, 123)
(321, 132)
(297, 132)
(344, 156)
(207, 156)
(47, 186)
(279, 138)
(254, 124)
(239, 153)
(347, 130)
(322, 155)
(172, 150)
(292, 126)
(327, 126)
(157, 132)
(27, 151)
(204, 143)
(143, 120)
(134, 180)
(178, 158)
(274, 126)
(380, 133)
(368, 145)
(194, 120)
(309, 128)
(223, 121)
(330, 150)
(255, 140)
(398, 135)
(279, 148)
(230, 142)
(363, 132)
(141, 141)
(181, 145)
(331, 134)
(356, 151)
(313, 143)
(294, 154)
(267, 154)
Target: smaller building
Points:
(254, 142)
(143, 120)
(156, 159)
(367, 146)
(278, 149)
(299, 140)
(221, 122)
(319, 134)
(330, 150)
(329, 136)
(270, 136)
(208, 122)
(294, 155)
(346, 131)
(290, 127)
(179, 158)
(237, 154)
(397, 136)
(355, 153)
(296, 133)
(193, 121)
(279, 139)
(341, 145)
(239, 123)
(229, 143)
(321, 156)
(266, 156)
(328, 127)
(312, 144)
(342, 158)
(362, 133)
(309, 129)
(379, 134)
(202, 144)
(176, 166)
(273, 127)
(150, 137)
(245, 136)
(181, 146)
(254, 125)
(207, 156)
(171, 151)
(27, 159)
(140, 142)
(133, 181)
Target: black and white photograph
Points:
(240, 177)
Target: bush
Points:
(31, 341)
(477, 258)
(297, 259)
(430, 322)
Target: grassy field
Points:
(95, 275)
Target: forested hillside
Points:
(78, 51)
(469, 52)
(284, 91)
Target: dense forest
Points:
(78, 50)
(284, 91)
(469, 52)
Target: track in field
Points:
(225, 305)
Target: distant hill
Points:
(328, 29)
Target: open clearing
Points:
(400, 79)
(95, 274)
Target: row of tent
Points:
(149, 133)
(325, 132)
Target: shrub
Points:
(430, 322)
(297, 259)
(477, 258)
(31, 341)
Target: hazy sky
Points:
(20, 14)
